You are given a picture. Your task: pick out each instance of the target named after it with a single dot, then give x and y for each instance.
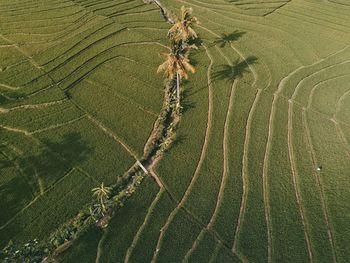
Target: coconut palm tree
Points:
(176, 64)
(182, 30)
(102, 194)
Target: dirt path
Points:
(225, 170)
(204, 149)
(99, 247)
(265, 180)
(111, 134)
(312, 93)
(339, 104)
(207, 132)
(311, 150)
(242, 56)
(341, 137)
(194, 246)
(225, 155)
(245, 179)
(295, 180)
(30, 58)
(319, 183)
(33, 106)
(215, 254)
(146, 221)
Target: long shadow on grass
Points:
(228, 73)
(234, 71)
(226, 39)
(186, 104)
(38, 171)
(56, 158)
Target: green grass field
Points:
(268, 106)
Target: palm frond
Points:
(188, 66)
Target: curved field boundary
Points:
(224, 175)
(245, 179)
(296, 180)
(319, 183)
(204, 148)
(146, 221)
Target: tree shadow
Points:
(196, 41)
(179, 139)
(186, 104)
(37, 171)
(228, 38)
(7, 98)
(5, 164)
(50, 162)
(231, 72)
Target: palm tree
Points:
(102, 194)
(176, 64)
(182, 30)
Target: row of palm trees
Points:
(176, 67)
(181, 36)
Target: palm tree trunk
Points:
(178, 79)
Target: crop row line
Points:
(203, 152)
(145, 222)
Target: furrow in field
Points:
(339, 104)
(225, 153)
(95, 58)
(104, 5)
(33, 106)
(245, 179)
(74, 24)
(83, 24)
(87, 174)
(56, 39)
(265, 179)
(204, 149)
(37, 10)
(91, 60)
(162, 232)
(34, 200)
(30, 58)
(319, 183)
(65, 21)
(243, 57)
(296, 180)
(194, 246)
(215, 254)
(135, 13)
(308, 18)
(112, 135)
(341, 137)
(146, 221)
(207, 134)
(249, 24)
(299, 85)
(86, 48)
(99, 250)
(128, 100)
(56, 126)
(225, 170)
(314, 89)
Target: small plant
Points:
(100, 209)
(30, 252)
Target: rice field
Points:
(260, 167)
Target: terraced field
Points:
(259, 171)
